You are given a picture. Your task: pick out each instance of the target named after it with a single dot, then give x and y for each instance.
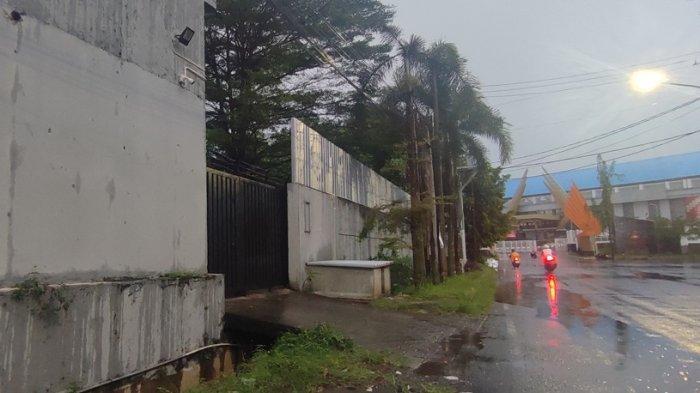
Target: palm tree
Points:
(461, 120)
(402, 97)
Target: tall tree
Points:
(462, 119)
(605, 210)
(483, 206)
(267, 61)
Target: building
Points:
(667, 187)
(102, 189)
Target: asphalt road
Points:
(592, 326)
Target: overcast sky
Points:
(516, 41)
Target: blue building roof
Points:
(642, 171)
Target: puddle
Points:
(656, 276)
(456, 352)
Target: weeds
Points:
(183, 275)
(469, 293)
(303, 362)
(46, 300)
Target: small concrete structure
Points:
(350, 279)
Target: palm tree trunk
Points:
(417, 222)
(437, 168)
(425, 158)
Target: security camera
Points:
(185, 80)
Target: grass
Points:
(470, 293)
(304, 362)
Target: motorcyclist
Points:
(514, 256)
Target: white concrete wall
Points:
(665, 208)
(106, 330)
(102, 158)
(618, 210)
(334, 226)
(641, 210)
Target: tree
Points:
(605, 210)
(263, 66)
(461, 120)
(485, 222)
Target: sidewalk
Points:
(423, 339)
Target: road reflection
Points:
(552, 296)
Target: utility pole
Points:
(465, 176)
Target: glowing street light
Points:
(645, 81)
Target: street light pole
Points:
(463, 183)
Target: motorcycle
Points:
(516, 262)
(550, 262)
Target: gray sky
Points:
(514, 41)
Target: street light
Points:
(645, 81)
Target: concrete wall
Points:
(135, 31)
(324, 227)
(102, 152)
(319, 164)
(106, 330)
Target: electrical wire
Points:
(595, 138)
(592, 72)
(675, 137)
(622, 156)
(570, 82)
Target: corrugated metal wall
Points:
(319, 164)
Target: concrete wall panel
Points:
(319, 164)
(103, 166)
(106, 330)
(334, 231)
(136, 31)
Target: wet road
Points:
(593, 326)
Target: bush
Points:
(401, 274)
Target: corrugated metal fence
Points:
(247, 232)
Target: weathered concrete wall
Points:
(324, 227)
(136, 31)
(319, 164)
(328, 201)
(105, 330)
(102, 163)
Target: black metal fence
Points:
(247, 232)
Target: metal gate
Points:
(247, 232)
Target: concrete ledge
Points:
(357, 264)
(81, 334)
(350, 279)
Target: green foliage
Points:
(262, 69)
(73, 387)
(303, 362)
(485, 222)
(470, 293)
(392, 222)
(44, 300)
(666, 236)
(401, 272)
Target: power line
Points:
(590, 73)
(570, 82)
(675, 137)
(586, 141)
(622, 156)
(537, 93)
